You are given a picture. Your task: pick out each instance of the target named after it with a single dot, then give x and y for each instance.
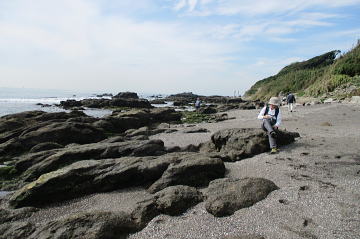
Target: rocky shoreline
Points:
(138, 169)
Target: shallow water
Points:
(12, 107)
(4, 193)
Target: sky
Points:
(209, 47)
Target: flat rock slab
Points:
(34, 165)
(225, 196)
(90, 176)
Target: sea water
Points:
(19, 100)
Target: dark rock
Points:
(193, 170)
(237, 144)
(114, 139)
(157, 102)
(130, 102)
(70, 104)
(12, 215)
(247, 105)
(225, 196)
(250, 236)
(106, 103)
(127, 95)
(234, 100)
(216, 99)
(180, 103)
(105, 95)
(171, 201)
(188, 97)
(223, 108)
(45, 146)
(134, 119)
(10, 227)
(54, 132)
(196, 130)
(34, 165)
(207, 110)
(91, 176)
(16, 230)
(175, 200)
(95, 225)
(147, 131)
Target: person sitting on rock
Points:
(271, 120)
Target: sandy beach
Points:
(318, 177)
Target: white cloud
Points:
(74, 45)
(263, 7)
(180, 5)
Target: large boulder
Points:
(237, 144)
(90, 176)
(136, 118)
(127, 95)
(225, 196)
(184, 98)
(131, 103)
(173, 201)
(192, 170)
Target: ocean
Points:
(20, 100)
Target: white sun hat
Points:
(274, 101)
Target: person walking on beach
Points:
(290, 100)
(197, 104)
(271, 120)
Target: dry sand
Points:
(318, 176)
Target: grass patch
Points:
(192, 117)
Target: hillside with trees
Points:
(332, 73)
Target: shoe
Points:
(273, 134)
(274, 151)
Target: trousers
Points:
(267, 125)
(291, 106)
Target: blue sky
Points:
(169, 46)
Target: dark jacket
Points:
(290, 99)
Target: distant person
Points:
(197, 104)
(290, 100)
(271, 120)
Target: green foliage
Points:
(313, 77)
(192, 117)
(316, 62)
(349, 64)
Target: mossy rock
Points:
(191, 117)
(7, 172)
